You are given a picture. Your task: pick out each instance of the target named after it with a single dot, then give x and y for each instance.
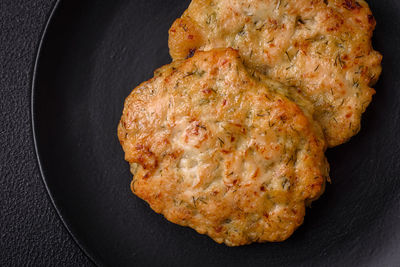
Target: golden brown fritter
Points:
(323, 47)
(213, 148)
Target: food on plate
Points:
(320, 47)
(223, 150)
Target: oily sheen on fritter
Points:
(322, 47)
(213, 148)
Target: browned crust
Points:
(321, 47)
(213, 148)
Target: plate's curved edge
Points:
(33, 127)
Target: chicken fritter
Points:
(213, 148)
(322, 47)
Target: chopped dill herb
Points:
(285, 183)
(338, 60)
(194, 201)
(202, 200)
(373, 77)
(271, 124)
(261, 27)
(290, 160)
(300, 20)
(242, 31)
(211, 18)
(287, 54)
(204, 101)
(221, 141)
(227, 221)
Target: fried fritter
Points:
(213, 148)
(322, 47)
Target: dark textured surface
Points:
(31, 232)
(367, 233)
(91, 63)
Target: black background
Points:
(31, 232)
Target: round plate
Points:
(95, 52)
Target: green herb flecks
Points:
(221, 142)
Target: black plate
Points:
(95, 52)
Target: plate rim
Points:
(34, 84)
(33, 117)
